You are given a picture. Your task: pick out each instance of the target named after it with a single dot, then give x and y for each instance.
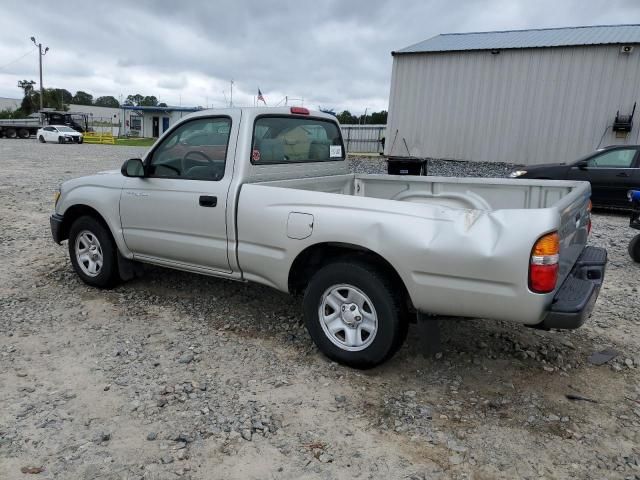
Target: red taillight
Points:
(299, 111)
(543, 266)
(543, 278)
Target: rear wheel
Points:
(60, 139)
(93, 253)
(634, 248)
(11, 133)
(354, 314)
(41, 139)
(23, 133)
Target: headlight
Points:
(56, 197)
(517, 173)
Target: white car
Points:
(59, 134)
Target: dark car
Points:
(612, 171)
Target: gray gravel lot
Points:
(176, 375)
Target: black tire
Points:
(60, 139)
(634, 248)
(11, 133)
(107, 276)
(386, 299)
(81, 140)
(41, 139)
(23, 133)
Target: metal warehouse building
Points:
(526, 96)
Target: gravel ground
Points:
(439, 168)
(176, 375)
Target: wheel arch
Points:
(74, 212)
(314, 257)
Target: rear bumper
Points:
(56, 227)
(577, 296)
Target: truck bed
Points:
(486, 194)
(466, 242)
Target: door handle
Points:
(622, 174)
(208, 201)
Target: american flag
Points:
(260, 97)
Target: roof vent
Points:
(626, 49)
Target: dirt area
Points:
(176, 375)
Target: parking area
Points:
(176, 375)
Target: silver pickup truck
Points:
(265, 195)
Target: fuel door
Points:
(299, 225)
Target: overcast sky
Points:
(332, 53)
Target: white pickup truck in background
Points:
(265, 195)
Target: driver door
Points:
(176, 213)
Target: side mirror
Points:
(582, 164)
(133, 168)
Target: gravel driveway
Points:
(176, 375)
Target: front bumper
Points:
(577, 296)
(56, 227)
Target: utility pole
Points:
(231, 96)
(40, 55)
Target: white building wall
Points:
(147, 121)
(10, 103)
(525, 106)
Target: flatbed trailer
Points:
(19, 127)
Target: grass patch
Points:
(135, 142)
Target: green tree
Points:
(28, 104)
(378, 118)
(57, 98)
(8, 113)
(133, 100)
(107, 101)
(162, 104)
(82, 98)
(346, 118)
(149, 102)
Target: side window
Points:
(285, 139)
(196, 150)
(615, 159)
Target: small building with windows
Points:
(152, 122)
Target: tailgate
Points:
(575, 225)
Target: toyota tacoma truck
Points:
(265, 195)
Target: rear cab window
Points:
(293, 139)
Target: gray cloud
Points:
(331, 53)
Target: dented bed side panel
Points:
(454, 261)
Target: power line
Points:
(17, 59)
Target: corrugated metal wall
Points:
(525, 106)
(363, 138)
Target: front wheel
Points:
(93, 253)
(60, 139)
(354, 314)
(634, 248)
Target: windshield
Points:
(66, 130)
